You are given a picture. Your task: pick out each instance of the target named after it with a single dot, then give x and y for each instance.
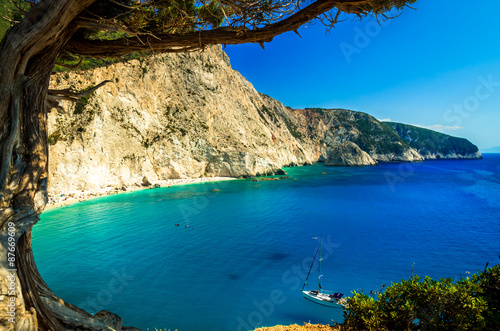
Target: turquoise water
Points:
(243, 259)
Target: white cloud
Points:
(440, 127)
(384, 120)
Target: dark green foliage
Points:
(80, 105)
(489, 280)
(372, 136)
(266, 111)
(363, 313)
(166, 16)
(7, 9)
(90, 63)
(184, 16)
(471, 303)
(82, 102)
(212, 13)
(428, 141)
(158, 18)
(55, 137)
(292, 128)
(378, 137)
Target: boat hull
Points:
(322, 299)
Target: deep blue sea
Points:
(242, 260)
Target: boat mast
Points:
(312, 264)
(319, 264)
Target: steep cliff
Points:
(329, 128)
(191, 115)
(434, 145)
(168, 116)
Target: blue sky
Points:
(437, 67)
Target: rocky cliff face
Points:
(329, 128)
(169, 116)
(191, 115)
(349, 154)
(435, 145)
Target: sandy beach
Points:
(59, 199)
(305, 327)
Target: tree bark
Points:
(28, 52)
(198, 40)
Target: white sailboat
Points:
(320, 296)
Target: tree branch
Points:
(200, 39)
(54, 96)
(67, 94)
(70, 66)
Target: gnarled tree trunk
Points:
(27, 55)
(28, 52)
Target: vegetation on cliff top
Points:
(364, 130)
(426, 141)
(375, 137)
(471, 303)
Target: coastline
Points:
(65, 198)
(305, 327)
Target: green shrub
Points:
(363, 312)
(54, 137)
(489, 281)
(471, 303)
(81, 103)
